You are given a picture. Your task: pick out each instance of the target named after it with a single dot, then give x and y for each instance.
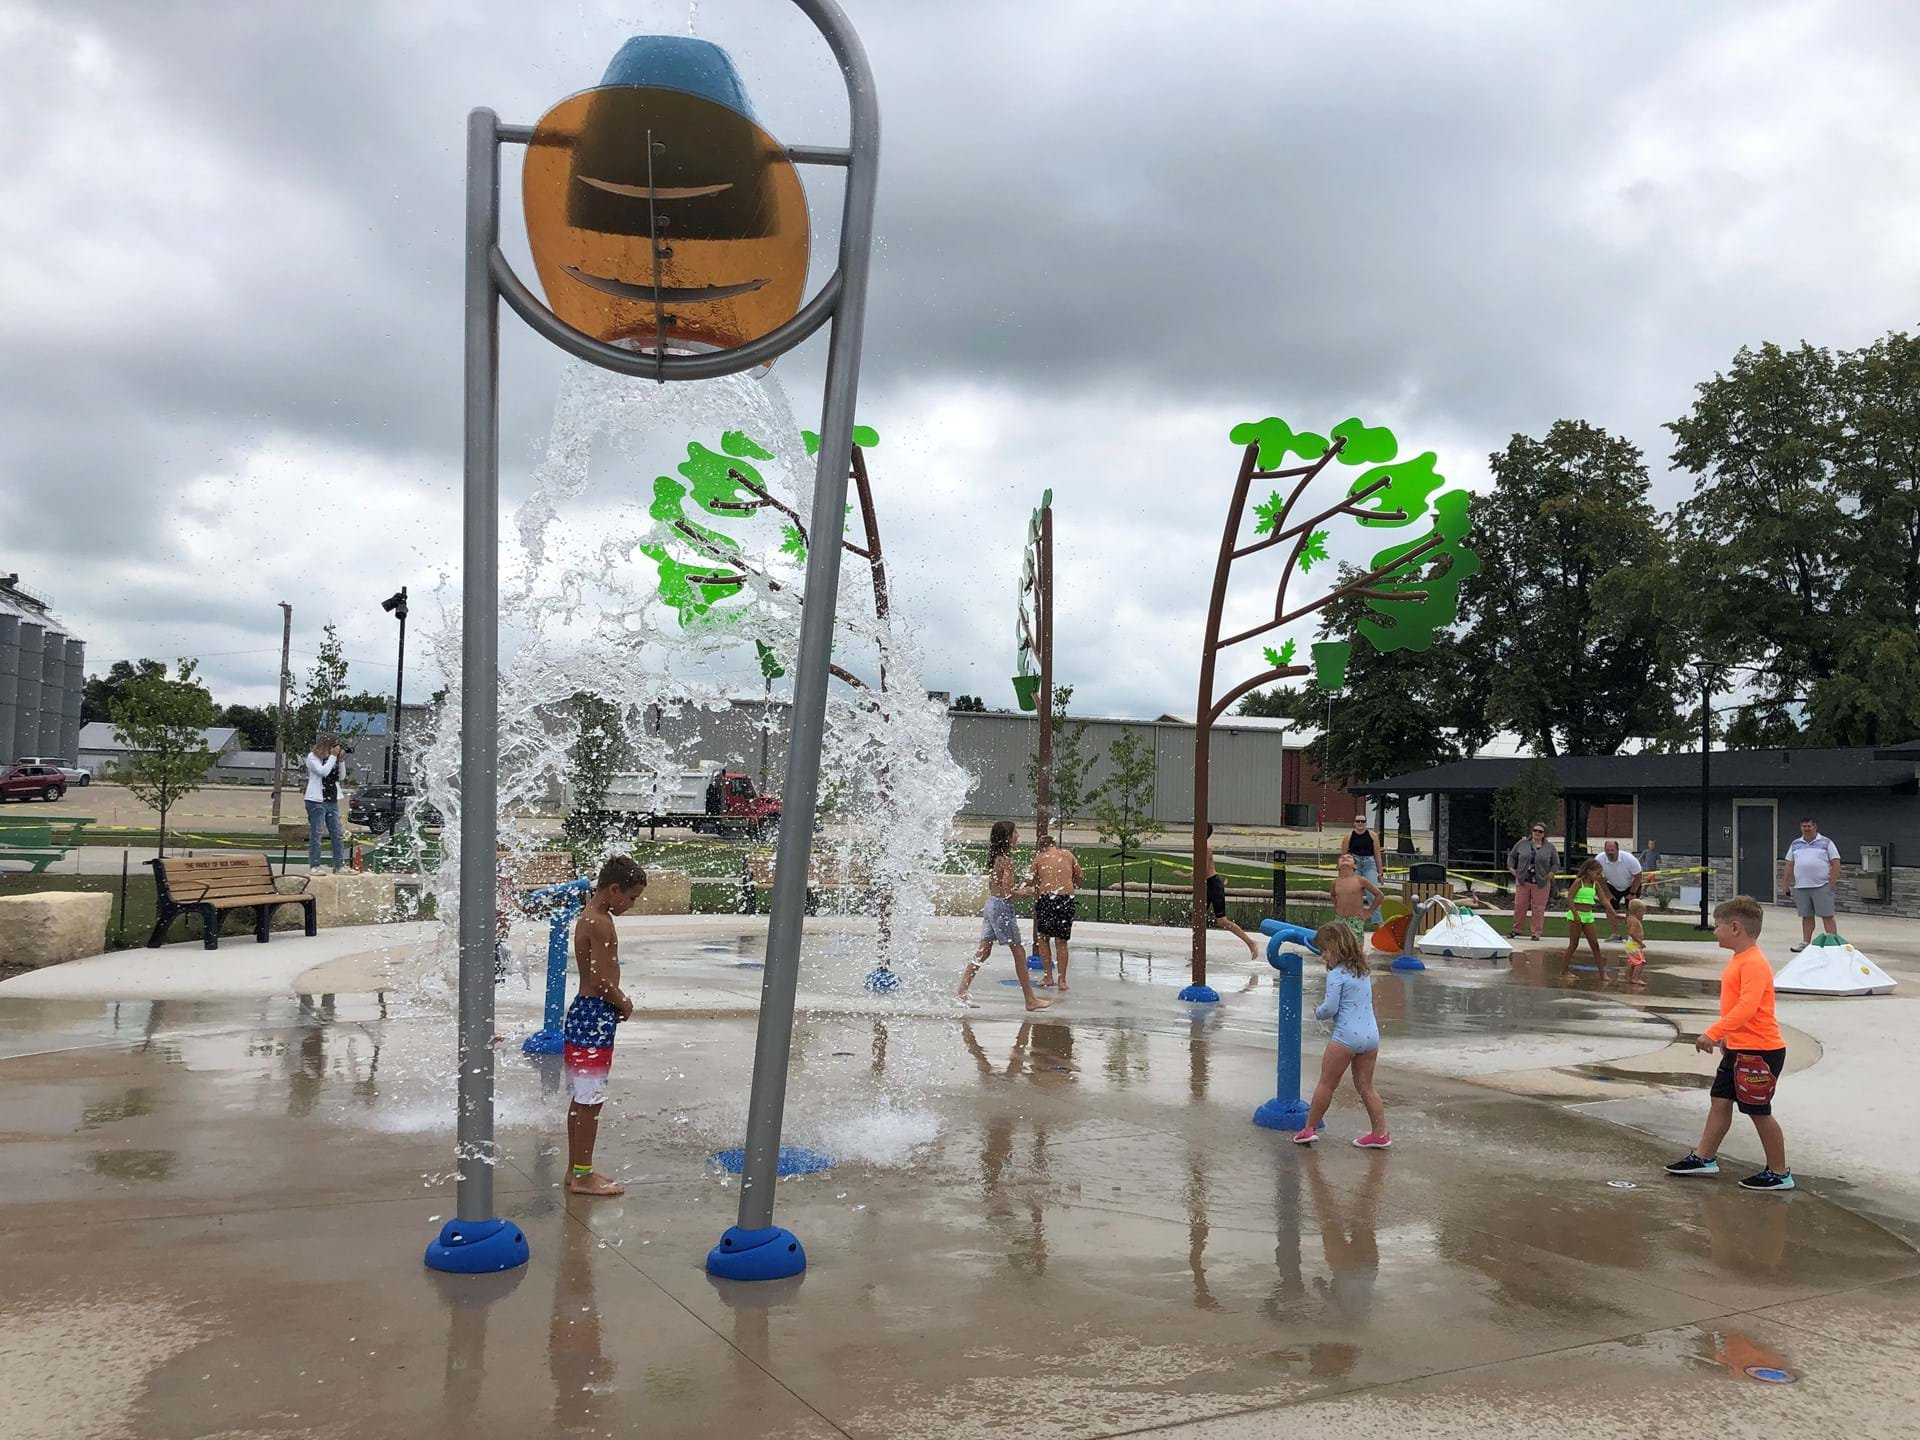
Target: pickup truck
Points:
(381, 807)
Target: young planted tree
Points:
(1072, 766)
(1534, 795)
(1123, 806)
(592, 762)
(161, 722)
(323, 700)
(1409, 589)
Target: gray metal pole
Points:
(479, 674)
(766, 1104)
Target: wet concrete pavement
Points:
(213, 1211)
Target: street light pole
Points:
(397, 606)
(1706, 774)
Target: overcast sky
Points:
(230, 277)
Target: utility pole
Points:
(280, 718)
(1043, 606)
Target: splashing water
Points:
(605, 533)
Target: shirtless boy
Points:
(591, 1018)
(1217, 901)
(1000, 925)
(1056, 874)
(1355, 897)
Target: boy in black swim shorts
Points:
(1056, 874)
(1217, 902)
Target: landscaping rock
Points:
(959, 894)
(53, 926)
(668, 892)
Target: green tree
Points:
(161, 721)
(1067, 791)
(1765, 537)
(969, 704)
(1396, 712)
(254, 722)
(1877, 470)
(592, 762)
(1123, 805)
(101, 693)
(323, 700)
(1873, 696)
(1576, 630)
(1277, 704)
(1534, 795)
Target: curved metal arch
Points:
(861, 157)
(706, 365)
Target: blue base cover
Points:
(543, 1042)
(477, 1247)
(882, 980)
(1409, 962)
(1034, 962)
(1201, 995)
(794, 1160)
(770, 1254)
(1278, 1114)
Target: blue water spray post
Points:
(1285, 946)
(670, 232)
(565, 901)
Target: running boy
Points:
(1752, 1051)
(1356, 1036)
(999, 924)
(1355, 897)
(600, 1005)
(1217, 901)
(1056, 874)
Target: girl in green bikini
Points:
(1586, 895)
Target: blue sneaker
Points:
(1692, 1164)
(1768, 1180)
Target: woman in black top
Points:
(1366, 855)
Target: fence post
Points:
(1279, 858)
(120, 930)
(1099, 889)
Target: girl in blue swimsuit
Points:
(1356, 1036)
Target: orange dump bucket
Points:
(1392, 936)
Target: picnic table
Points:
(37, 842)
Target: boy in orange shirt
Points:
(1751, 1051)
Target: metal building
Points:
(42, 678)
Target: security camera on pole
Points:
(670, 234)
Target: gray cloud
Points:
(229, 312)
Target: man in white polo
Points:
(1622, 873)
(1809, 876)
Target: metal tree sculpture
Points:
(713, 566)
(1034, 638)
(1412, 589)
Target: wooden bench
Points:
(36, 843)
(824, 871)
(212, 885)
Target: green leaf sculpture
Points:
(1277, 440)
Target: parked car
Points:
(32, 782)
(380, 807)
(73, 774)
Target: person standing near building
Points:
(1533, 862)
(326, 763)
(1621, 872)
(1809, 878)
(1362, 845)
